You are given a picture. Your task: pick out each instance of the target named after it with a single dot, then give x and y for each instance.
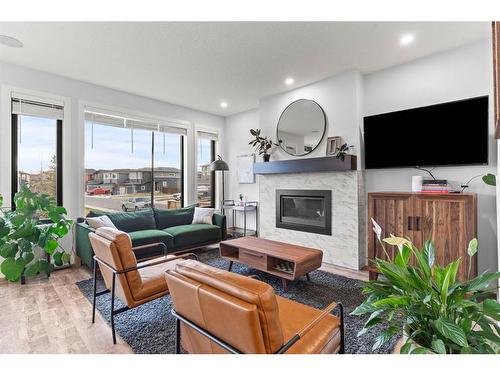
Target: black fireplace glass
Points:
(304, 210)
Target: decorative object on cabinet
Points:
(234, 231)
(416, 183)
(244, 169)
(449, 220)
(261, 144)
(332, 143)
(301, 127)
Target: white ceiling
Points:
(198, 65)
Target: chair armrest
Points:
(118, 272)
(142, 247)
(309, 326)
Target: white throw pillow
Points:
(203, 215)
(100, 221)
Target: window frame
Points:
(14, 160)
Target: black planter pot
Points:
(266, 157)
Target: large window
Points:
(131, 165)
(37, 147)
(205, 179)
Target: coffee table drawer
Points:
(257, 260)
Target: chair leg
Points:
(342, 335)
(177, 336)
(113, 308)
(95, 292)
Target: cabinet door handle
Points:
(409, 223)
(418, 222)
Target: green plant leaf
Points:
(405, 349)
(481, 282)
(28, 257)
(491, 308)
(32, 269)
(45, 267)
(392, 301)
(57, 258)
(429, 252)
(50, 246)
(8, 250)
(421, 350)
(438, 346)
(364, 308)
(490, 179)
(11, 269)
(66, 258)
(472, 248)
(451, 331)
(384, 337)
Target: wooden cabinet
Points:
(447, 219)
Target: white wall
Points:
(77, 91)
(456, 74)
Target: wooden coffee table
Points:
(287, 261)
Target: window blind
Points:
(208, 135)
(124, 121)
(37, 109)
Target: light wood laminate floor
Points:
(52, 315)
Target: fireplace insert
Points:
(304, 210)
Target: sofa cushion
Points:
(145, 237)
(131, 221)
(172, 217)
(192, 234)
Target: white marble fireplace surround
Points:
(346, 246)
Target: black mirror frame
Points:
(280, 142)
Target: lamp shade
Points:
(219, 165)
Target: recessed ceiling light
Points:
(406, 39)
(223, 104)
(10, 41)
(289, 81)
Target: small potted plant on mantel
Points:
(440, 313)
(261, 144)
(22, 233)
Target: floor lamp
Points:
(220, 165)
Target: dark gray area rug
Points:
(150, 328)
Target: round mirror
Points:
(301, 127)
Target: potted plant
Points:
(261, 144)
(342, 151)
(441, 314)
(22, 232)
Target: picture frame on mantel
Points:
(332, 144)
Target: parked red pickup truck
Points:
(98, 191)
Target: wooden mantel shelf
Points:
(324, 164)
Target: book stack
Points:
(435, 186)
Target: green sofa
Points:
(172, 227)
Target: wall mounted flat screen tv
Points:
(454, 133)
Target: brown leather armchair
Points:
(133, 283)
(222, 312)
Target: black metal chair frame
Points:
(231, 349)
(119, 272)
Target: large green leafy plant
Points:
(22, 232)
(441, 313)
